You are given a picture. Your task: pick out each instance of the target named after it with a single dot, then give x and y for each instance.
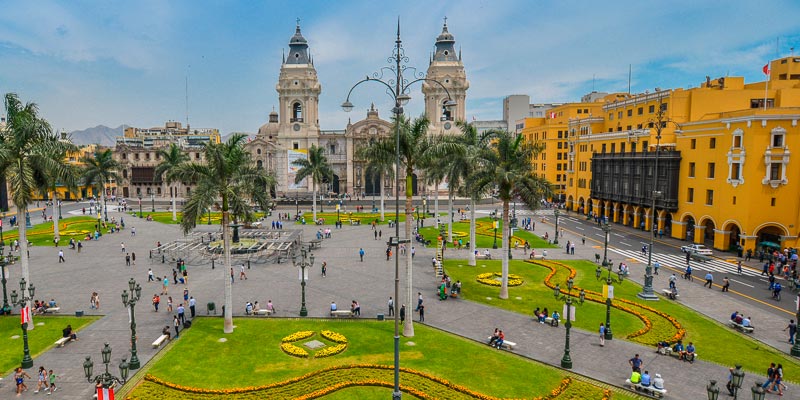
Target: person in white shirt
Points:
(746, 321)
(658, 383)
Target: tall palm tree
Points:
(382, 170)
(171, 158)
(99, 169)
(506, 165)
(50, 182)
(316, 167)
(28, 150)
(417, 150)
(228, 180)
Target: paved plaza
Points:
(101, 267)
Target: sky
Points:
(87, 63)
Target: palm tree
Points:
(506, 164)
(228, 180)
(99, 169)
(28, 152)
(417, 150)
(171, 158)
(317, 167)
(382, 170)
(51, 181)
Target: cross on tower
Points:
(445, 20)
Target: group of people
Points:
(45, 380)
(644, 378)
(497, 339)
(254, 307)
(541, 316)
(40, 307)
(741, 319)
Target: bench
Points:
(263, 311)
(341, 313)
(649, 390)
(551, 321)
(158, 342)
(506, 344)
(668, 293)
(745, 329)
(669, 352)
(61, 342)
(52, 310)
(481, 256)
(355, 222)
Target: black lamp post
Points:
(153, 202)
(303, 260)
(398, 88)
(105, 207)
(130, 301)
(555, 238)
(22, 301)
(795, 349)
(737, 377)
(566, 360)
(6, 307)
(712, 390)
(140, 205)
(610, 291)
(59, 210)
(106, 379)
(758, 391)
(494, 215)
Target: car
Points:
(696, 248)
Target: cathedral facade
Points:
(294, 127)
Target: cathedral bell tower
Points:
(298, 91)
(446, 67)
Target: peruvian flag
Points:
(552, 115)
(105, 393)
(25, 315)
(765, 70)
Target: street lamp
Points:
(22, 301)
(303, 260)
(105, 207)
(59, 210)
(106, 379)
(555, 239)
(758, 391)
(494, 215)
(130, 301)
(6, 307)
(712, 390)
(140, 204)
(153, 202)
(737, 377)
(398, 87)
(610, 288)
(566, 360)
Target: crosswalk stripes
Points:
(679, 261)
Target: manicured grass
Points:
(365, 218)
(39, 339)
(42, 234)
(255, 347)
(715, 342)
(484, 234)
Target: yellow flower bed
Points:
(334, 337)
(489, 279)
(330, 351)
(293, 350)
(297, 336)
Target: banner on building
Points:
(105, 393)
(291, 156)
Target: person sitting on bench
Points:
(165, 331)
(673, 293)
(645, 379)
(500, 339)
(658, 383)
(678, 348)
(636, 377)
(739, 318)
(662, 346)
(688, 354)
(734, 315)
(746, 322)
(68, 333)
(494, 337)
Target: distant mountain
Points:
(100, 134)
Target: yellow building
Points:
(83, 191)
(723, 165)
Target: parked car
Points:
(696, 248)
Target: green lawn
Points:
(706, 334)
(484, 234)
(39, 339)
(42, 234)
(255, 348)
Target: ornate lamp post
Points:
(610, 289)
(106, 379)
(712, 390)
(153, 202)
(105, 208)
(22, 301)
(398, 87)
(737, 377)
(6, 307)
(758, 391)
(566, 360)
(494, 215)
(140, 204)
(555, 238)
(59, 209)
(303, 260)
(130, 301)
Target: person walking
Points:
(122, 245)
(181, 313)
(41, 380)
(133, 258)
(231, 275)
(169, 304)
(156, 301)
(127, 260)
(177, 325)
(150, 276)
(402, 313)
(602, 335)
(80, 246)
(192, 305)
(391, 306)
(792, 327)
(739, 267)
(19, 378)
(361, 254)
(61, 256)
(709, 280)
(419, 301)
(656, 266)
(421, 313)
(165, 285)
(726, 283)
(324, 268)
(51, 377)
(241, 273)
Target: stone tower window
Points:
(446, 113)
(297, 112)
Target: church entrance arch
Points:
(414, 184)
(708, 232)
(372, 184)
(335, 184)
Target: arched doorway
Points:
(335, 185)
(590, 205)
(708, 232)
(372, 184)
(735, 234)
(690, 228)
(667, 224)
(570, 203)
(581, 206)
(414, 184)
(769, 237)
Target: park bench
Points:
(669, 352)
(158, 342)
(737, 326)
(482, 256)
(648, 390)
(355, 222)
(551, 321)
(61, 342)
(341, 313)
(263, 311)
(506, 344)
(668, 293)
(52, 310)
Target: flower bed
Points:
(489, 279)
(297, 336)
(333, 336)
(293, 350)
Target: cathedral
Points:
(294, 127)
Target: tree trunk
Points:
(314, 200)
(436, 206)
(383, 196)
(472, 246)
(24, 262)
(408, 325)
(504, 278)
(450, 220)
(226, 245)
(55, 217)
(174, 211)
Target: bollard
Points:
(212, 263)
(163, 260)
(248, 264)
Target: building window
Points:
(775, 171)
(711, 170)
(734, 200)
(619, 115)
(690, 195)
(645, 145)
(613, 147)
(447, 115)
(622, 147)
(759, 103)
(333, 149)
(772, 202)
(295, 145)
(258, 151)
(709, 197)
(691, 170)
(630, 112)
(259, 164)
(736, 171)
(693, 144)
(124, 156)
(737, 139)
(712, 143)
(297, 112)
(603, 148)
(640, 111)
(777, 137)
(197, 156)
(633, 147)
(651, 109)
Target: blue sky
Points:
(121, 62)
